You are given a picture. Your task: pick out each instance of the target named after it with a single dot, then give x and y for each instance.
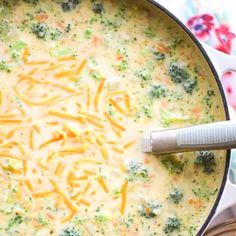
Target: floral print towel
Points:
(213, 22)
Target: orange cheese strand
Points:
(35, 63)
(114, 123)
(67, 58)
(63, 74)
(88, 185)
(104, 152)
(31, 139)
(25, 166)
(98, 94)
(84, 202)
(29, 185)
(102, 184)
(128, 145)
(94, 122)
(88, 102)
(72, 151)
(66, 115)
(117, 150)
(117, 106)
(123, 197)
(52, 140)
(42, 194)
(127, 102)
(81, 67)
(71, 205)
(25, 55)
(6, 155)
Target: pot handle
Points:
(224, 63)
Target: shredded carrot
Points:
(102, 183)
(25, 55)
(89, 115)
(104, 152)
(129, 144)
(115, 93)
(124, 197)
(36, 128)
(89, 172)
(64, 74)
(88, 102)
(42, 165)
(42, 194)
(117, 150)
(117, 107)
(42, 102)
(98, 94)
(11, 169)
(114, 123)
(67, 115)
(59, 169)
(76, 195)
(0, 98)
(67, 58)
(88, 185)
(29, 185)
(67, 200)
(93, 122)
(72, 151)
(81, 67)
(10, 121)
(127, 102)
(6, 155)
(52, 67)
(89, 161)
(84, 202)
(35, 63)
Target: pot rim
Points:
(223, 98)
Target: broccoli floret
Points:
(34, 2)
(178, 75)
(137, 169)
(70, 231)
(98, 8)
(206, 160)
(176, 196)
(173, 164)
(4, 66)
(157, 91)
(144, 75)
(16, 220)
(16, 49)
(150, 209)
(172, 224)
(40, 30)
(210, 92)
(69, 5)
(55, 34)
(159, 56)
(4, 28)
(190, 85)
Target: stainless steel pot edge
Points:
(223, 97)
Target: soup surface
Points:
(81, 83)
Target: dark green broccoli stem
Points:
(70, 231)
(176, 196)
(178, 75)
(206, 160)
(190, 85)
(172, 164)
(172, 224)
(159, 56)
(157, 91)
(150, 209)
(69, 5)
(137, 169)
(97, 7)
(40, 30)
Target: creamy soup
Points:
(81, 83)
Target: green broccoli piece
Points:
(70, 231)
(176, 196)
(190, 85)
(4, 66)
(178, 75)
(144, 75)
(206, 160)
(34, 2)
(159, 56)
(98, 7)
(16, 49)
(150, 209)
(40, 30)
(4, 28)
(157, 91)
(55, 34)
(16, 220)
(172, 224)
(137, 169)
(173, 164)
(69, 5)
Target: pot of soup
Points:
(81, 83)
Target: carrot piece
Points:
(64, 74)
(102, 184)
(129, 144)
(25, 166)
(84, 202)
(25, 55)
(81, 67)
(31, 139)
(32, 63)
(10, 121)
(115, 93)
(88, 98)
(117, 150)
(67, 58)
(59, 169)
(117, 106)
(29, 184)
(86, 188)
(124, 197)
(52, 140)
(114, 123)
(72, 151)
(98, 94)
(93, 122)
(104, 152)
